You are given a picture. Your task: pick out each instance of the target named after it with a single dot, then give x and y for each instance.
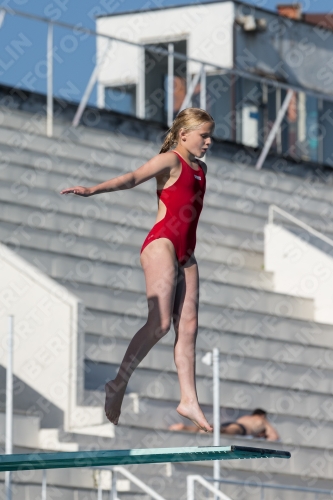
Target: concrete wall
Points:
(301, 269)
(48, 343)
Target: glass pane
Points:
(312, 126)
(121, 99)
(307, 131)
(271, 115)
(156, 78)
(248, 111)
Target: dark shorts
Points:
(241, 427)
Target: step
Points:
(235, 394)
(100, 208)
(17, 120)
(64, 149)
(251, 370)
(31, 170)
(41, 209)
(212, 325)
(159, 414)
(102, 140)
(237, 209)
(231, 261)
(277, 354)
(25, 429)
(48, 440)
(230, 172)
(120, 299)
(111, 279)
(222, 273)
(32, 193)
(38, 210)
(253, 198)
(40, 177)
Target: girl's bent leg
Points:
(185, 319)
(160, 269)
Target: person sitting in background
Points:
(255, 425)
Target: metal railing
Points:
(298, 222)
(265, 486)
(114, 471)
(205, 69)
(203, 481)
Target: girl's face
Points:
(197, 141)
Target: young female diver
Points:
(167, 257)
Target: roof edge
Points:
(209, 2)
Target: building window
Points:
(121, 99)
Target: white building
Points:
(227, 34)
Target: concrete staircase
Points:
(273, 354)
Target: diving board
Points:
(136, 456)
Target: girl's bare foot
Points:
(114, 395)
(193, 412)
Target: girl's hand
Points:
(79, 190)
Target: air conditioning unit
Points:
(250, 23)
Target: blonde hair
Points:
(188, 119)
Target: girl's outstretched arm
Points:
(157, 165)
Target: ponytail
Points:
(169, 141)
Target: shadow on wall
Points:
(29, 401)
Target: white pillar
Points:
(9, 403)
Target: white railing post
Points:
(89, 87)
(140, 88)
(44, 484)
(9, 402)
(170, 89)
(301, 224)
(190, 488)
(216, 407)
(203, 482)
(99, 488)
(138, 482)
(2, 16)
(192, 85)
(203, 102)
(113, 491)
(49, 98)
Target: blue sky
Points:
(22, 63)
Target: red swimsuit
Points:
(183, 201)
